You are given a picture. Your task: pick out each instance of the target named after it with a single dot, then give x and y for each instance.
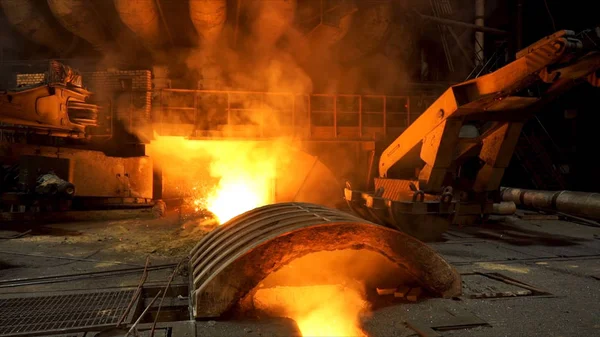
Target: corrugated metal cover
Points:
(230, 261)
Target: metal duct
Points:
(143, 18)
(369, 29)
(208, 17)
(582, 204)
(34, 21)
(271, 19)
(333, 21)
(80, 18)
(234, 258)
(324, 36)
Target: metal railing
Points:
(199, 113)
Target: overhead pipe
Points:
(35, 22)
(271, 19)
(144, 19)
(313, 50)
(208, 17)
(325, 34)
(370, 27)
(79, 17)
(582, 204)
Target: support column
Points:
(437, 152)
(479, 37)
(496, 152)
(519, 25)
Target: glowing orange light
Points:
(233, 197)
(319, 311)
(226, 178)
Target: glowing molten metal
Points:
(232, 197)
(319, 311)
(226, 178)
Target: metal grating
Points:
(26, 316)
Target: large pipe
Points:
(35, 21)
(504, 208)
(314, 50)
(369, 28)
(325, 36)
(143, 18)
(208, 17)
(271, 19)
(582, 204)
(80, 18)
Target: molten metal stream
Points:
(319, 311)
(227, 178)
(232, 197)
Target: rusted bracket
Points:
(418, 196)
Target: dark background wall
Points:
(573, 120)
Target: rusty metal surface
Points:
(230, 261)
(394, 188)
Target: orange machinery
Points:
(56, 107)
(447, 166)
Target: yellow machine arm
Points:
(557, 60)
(422, 187)
(56, 107)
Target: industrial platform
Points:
(520, 278)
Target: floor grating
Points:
(26, 316)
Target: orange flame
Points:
(319, 311)
(227, 178)
(232, 197)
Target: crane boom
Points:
(496, 105)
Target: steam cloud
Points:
(275, 51)
(272, 53)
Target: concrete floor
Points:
(559, 260)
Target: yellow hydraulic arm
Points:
(557, 60)
(431, 176)
(56, 107)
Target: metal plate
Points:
(495, 285)
(34, 315)
(444, 320)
